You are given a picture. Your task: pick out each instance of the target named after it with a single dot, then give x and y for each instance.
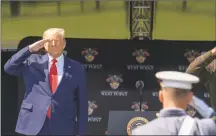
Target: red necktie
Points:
(53, 78)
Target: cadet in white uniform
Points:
(175, 95)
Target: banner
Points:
(114, 66)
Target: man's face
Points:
(55, 46)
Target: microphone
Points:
(140, 85)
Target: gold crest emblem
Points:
(89, 54)
(114, 81)
(157, 115)
(134, 123)
(191, 111)
(191, 55)
(136, 106)
(91, 107)
(140, 55)
(214, 118)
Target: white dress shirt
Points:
(59, 65)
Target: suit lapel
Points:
(45, 69)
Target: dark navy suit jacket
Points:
(69, 101)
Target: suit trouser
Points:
(45, 130)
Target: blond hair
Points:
(58, 31)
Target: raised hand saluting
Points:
(38, 45)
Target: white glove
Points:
(37, 45)
(201, 107)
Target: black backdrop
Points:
(111, 57)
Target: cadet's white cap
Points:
(175, 79)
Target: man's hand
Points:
(37, 45)
(213, 51)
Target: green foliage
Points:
(196, 23)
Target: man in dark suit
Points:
(55, 88)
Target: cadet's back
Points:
(170, 121)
